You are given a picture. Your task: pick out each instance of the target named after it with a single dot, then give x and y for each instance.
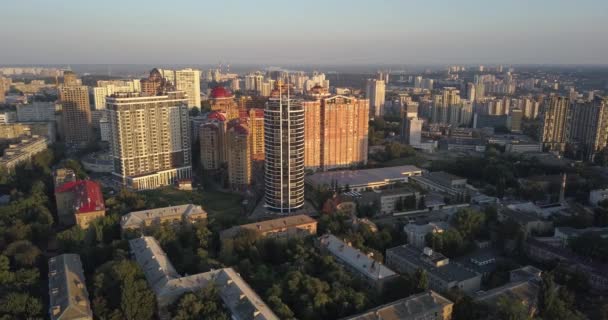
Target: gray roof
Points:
(243, 302)
(68, 296)
(136, 219)
(410, 308)
(363, 177)
(448, 273)
(270, 225)
(355, 258)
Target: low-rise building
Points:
(186, 213)
(68, 296)
(14, 131)
(565, 234)
(523, 287)
(529, 222)
(22, 152)
(440, 181)
(287, 227)
(443, 276)
(523, 147)
(416, 233)
(362, 180)
(242, 302)
(596, 273)
(63, 175)
(394, 200)
(360, 264)
(79, 202)
(36, 111)
(422, 306)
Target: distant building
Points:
(242, 302)
(76, 111)
(555, 124)
(359, 263)
(416, 233)
(443, 275)
(336, 132)
(427, 305)
(109, 87)
(223, 101)
(212, 139)
(362, 180)
(187, 213)
(19, 130)
(375, 93)
(238, 146)
(68, 296)
(287, 227)
(411, 131)
(587, 128)
(22, 152)
(36, 112)
(79, 202)
(150, 139)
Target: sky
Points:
(330, 32)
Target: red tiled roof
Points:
(217, 115)
(220, 92)
(87, 195)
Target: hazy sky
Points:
(304, 32)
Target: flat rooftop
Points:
(363, 177)
(448, 273)
(136, 218)
(355, 258)
(412, 307)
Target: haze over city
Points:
(304, 160)
(304, 32)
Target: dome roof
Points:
(220, 92)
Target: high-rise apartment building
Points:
(239, 154)
(375, 93)
(588, 132)
(76, 110)
(212, 139)
(336, 132)
(186, 80)
(108, 87)
(411, 130)
(471, 91)
(555, 124)
(255, 122)
(222, 100)
(441, 104)
(155, 84)
(284, 152)
(150, 138)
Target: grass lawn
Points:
(224, 208)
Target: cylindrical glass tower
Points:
(284, 153)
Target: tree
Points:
(550, 304)
(17, 305)
(511, 309)
(421, 280)
(23, 252)
(202, 304)
(469, 222)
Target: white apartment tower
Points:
(149, 139)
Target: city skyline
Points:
(391, 32)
